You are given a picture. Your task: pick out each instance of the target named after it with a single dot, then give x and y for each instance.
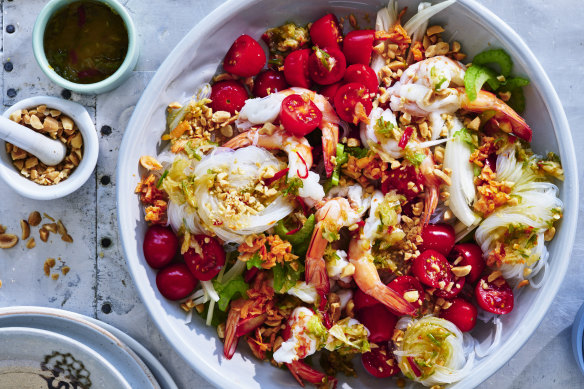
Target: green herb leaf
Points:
(254, 261)
(292, 186)
(495, 56)
(414, 157)
(285, 276)
(464, 135)
(237, 286)
(301, 238)
(383, 127)
(162, 177)
(357, 152)
(474, 79)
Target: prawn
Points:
(331, 217)
(266, 109)
(366, 275)
(436, 85)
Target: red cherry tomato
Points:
(269, 81)
(439, 237)
(160, 246)
(451, 291)
(362, 74)
(296, 68)
(299, 115)
(432, 269)
(326, 66)
(358, 45)
(471, 255)
(495, 297)
(175, 282)
(205, 266)
(462, 313)
(379, 321)
(403, 284)
(347, 98)
(325, 31)
(245, 57)
(380, 361)
(363, 300)
(228, 96)
(329, 91)
(399, 179)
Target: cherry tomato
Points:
(462, 313)
(362, 74)
(398, 179)
(363, 300)
(175, 282)
(269, 81)
(451, 291)
(329, 91)
(325, 31)
(471, 255)
(326, 66)
(379, 321)
(228, 96)
(245, 57)
(160, 246)
(299, 115)
(403, 284)
(358, 45)
(432, 269)
(205, 266)
(495, 297)
(296, 68)
(439, 237)
(347, 98)
(380, 361)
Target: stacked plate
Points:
(44, 347)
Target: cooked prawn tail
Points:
(392, 299)
(487, 101)
(330, 138)
(301, 371)
(231, 338)
(430, 204)
(242, 140)
(315, 272)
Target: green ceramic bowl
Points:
(109, 83)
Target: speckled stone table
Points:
(99, 285)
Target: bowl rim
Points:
(104, 85)
(80, 175)
(562, 130)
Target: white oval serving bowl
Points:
(32, 190)
(195, 60)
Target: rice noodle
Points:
(490, 346)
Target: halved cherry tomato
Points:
(451, 290)
(299, 115)
(269, 81)
(358, 45)
(495, 297)
(432, 269)
(207, 265)
(439, 237)
(380, 361)
(462, 313)
(229, 95)
(329, 91)
(245, 57)
(379, 321)
(160, 246)
(175, 282)
(325, 31)
(471, 255)
(403, 284)
(363, 300)
(362, 74)
(348, 97)
(296, 68)
(399, 180)
(326, 66)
